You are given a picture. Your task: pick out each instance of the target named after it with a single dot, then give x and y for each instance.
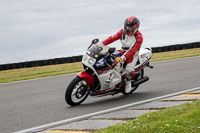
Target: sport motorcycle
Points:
(101, 78)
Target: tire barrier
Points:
(72, 59)
(176, 47)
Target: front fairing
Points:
(96, 60)
(95, 63)
(96, 57)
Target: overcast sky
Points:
(45, 29)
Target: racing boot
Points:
(128, 86)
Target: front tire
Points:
(77, 91)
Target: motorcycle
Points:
(101, 78)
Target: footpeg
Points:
(150, 66)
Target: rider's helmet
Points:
(131, 25)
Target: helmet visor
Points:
(129, 29)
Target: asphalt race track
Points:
(37, 102)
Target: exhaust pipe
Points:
(144, 79)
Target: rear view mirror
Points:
(111, 50)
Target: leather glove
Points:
(119, 59)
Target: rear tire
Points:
(77, 91)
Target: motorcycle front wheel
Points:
(77, 91)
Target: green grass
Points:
(181, 119)
(175, 54)
(52, 70)
(38, 72)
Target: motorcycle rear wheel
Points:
(77, 91)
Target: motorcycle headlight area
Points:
(85, 57)
(91, 61)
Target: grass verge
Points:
(181, 119)
(52, 70)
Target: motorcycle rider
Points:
(131, 40)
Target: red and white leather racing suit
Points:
(130, 47)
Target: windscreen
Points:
(97, 50)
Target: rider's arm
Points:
(135, 47)
(113, 38)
